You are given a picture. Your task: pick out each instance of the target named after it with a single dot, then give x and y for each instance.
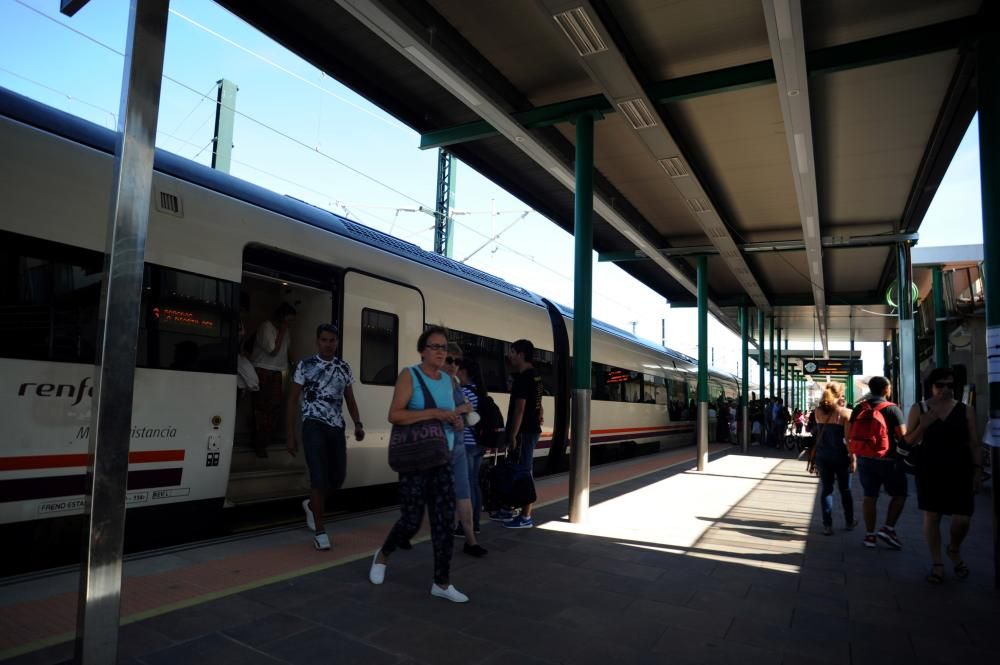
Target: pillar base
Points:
(579, 457)
(702, 435)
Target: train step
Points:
(266, 484)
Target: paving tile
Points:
(214, 649)
(136, 640)
(432, 643)
(711, 623)
(346, 615)
(622, 568)
(775, 612)
(271, 628)
(54, 655)
(320, 646)
(206, 618)
(615, 627)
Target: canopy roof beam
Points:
(935, 38)
(604, 62)
(788, 51)
(418, 51)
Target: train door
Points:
(382, 321)
(261, 467)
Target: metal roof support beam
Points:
(601, 58)
(831, 242)
(887, 48)
(397, 34)
(788, 50)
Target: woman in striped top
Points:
(471, 377)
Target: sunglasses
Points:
(451, 360)
(944, 384)
(436, 347)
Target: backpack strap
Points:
(429, 402)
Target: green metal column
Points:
(894, 362)
(444, 201)
(779, 367)
(940, 316)
(849, 392)
(583, 232)
(225, 113)
(760, 352)
(770, 360)
(702, 362)
(788, 372)
(745, 391)
(988, 80)
(908, 371)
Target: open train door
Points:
(382, 321)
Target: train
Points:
(221, 252)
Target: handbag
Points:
(421, 445)
(909, 453)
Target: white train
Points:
(221, 250)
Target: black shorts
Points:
(326, 454)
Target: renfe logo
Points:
(59, 390)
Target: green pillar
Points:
(745, 389)
(940, 341)
(225, 114)
(579, 489)
(779, 367)
(849, 391)
(760, 351)
(894, 361)
(988, 87)
(770, 360)
(702, 362)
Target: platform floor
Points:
(672, 566)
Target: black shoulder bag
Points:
(422, 445)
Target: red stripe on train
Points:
(80, 459)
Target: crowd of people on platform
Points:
(444, 389)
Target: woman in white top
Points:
(270, 359)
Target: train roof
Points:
(65, 125)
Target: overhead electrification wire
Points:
(114, 118)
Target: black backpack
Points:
(489, 430)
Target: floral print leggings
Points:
(435, 489)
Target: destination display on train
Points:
(816, 367)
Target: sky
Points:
(299, 132)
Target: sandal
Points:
(935, 577)
(961, 570)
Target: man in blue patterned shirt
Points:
(323, 382)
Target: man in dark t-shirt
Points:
(524, 418)
(876, 472)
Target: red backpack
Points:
(870, 432)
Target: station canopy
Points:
(795, 143)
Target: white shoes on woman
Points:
(377, 573)
(449, 593)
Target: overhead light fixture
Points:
(800, 153)
(674, 166)
(580, 31)
(637, 113)
(444, 77)
(698, 206)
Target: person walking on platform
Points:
(524, 421)
(270, 359)
(942, 436)
(833, 461)
(459, 457)
(323, 383)
(434, 488)
(875, 426)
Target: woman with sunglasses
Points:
(943, 432)
(459, 459)
(432, 488)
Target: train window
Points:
(614, 384)
(654, 389)
(379, 347)
(49, 297)
(545, 365)
(490, 353)
(189, 322)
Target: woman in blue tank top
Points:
(433, 489)
(833, 460)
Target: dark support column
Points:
(770, 359)
(99, 604)
(579, 461)
(779, 367)
(849, 393)
(940, 317)
(907, 351)
(761, 352)
(988, 79)
(745, 388)
(702, 362)
(225, 114)
(894, 362)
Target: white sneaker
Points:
(321, 541)
(451, 593)
(377, 573)
(310, 522)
